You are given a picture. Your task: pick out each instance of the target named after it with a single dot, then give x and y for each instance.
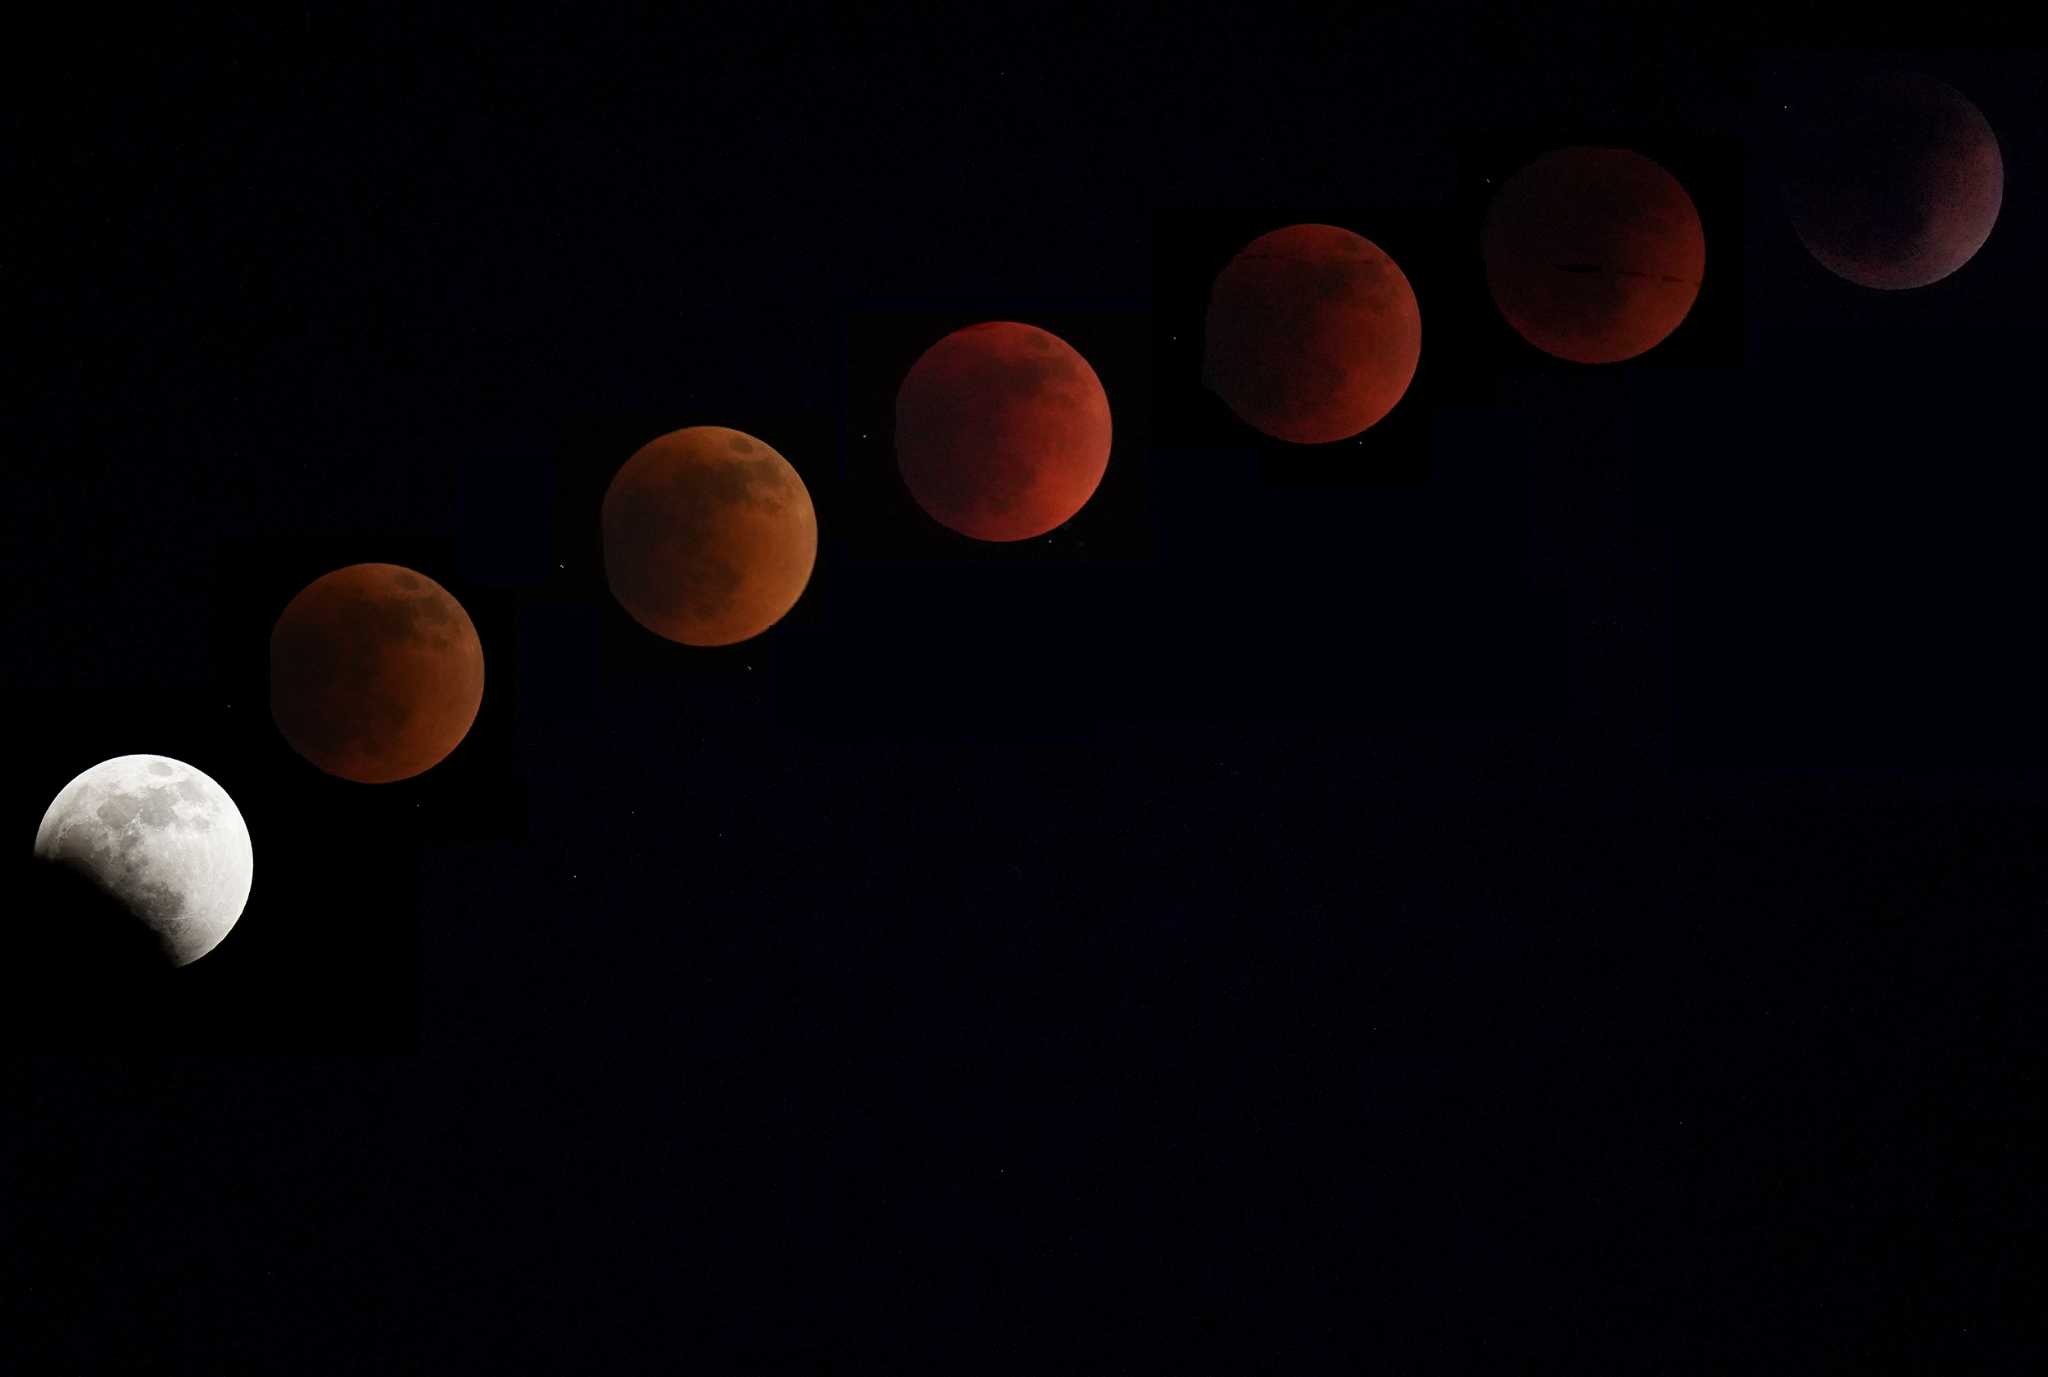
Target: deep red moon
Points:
(1892, 181)
(376, 673)
(1594, 254)
(1312, 334)
(709, 536)
(1002, 431)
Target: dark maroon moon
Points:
(1892, 180)
(376, 673)
(1002, 431)
(1312, 334)
(1593, 254)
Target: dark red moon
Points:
(1594, 254)
(1312, 334)
(1892, 181)
(709, 536)
(376, 673)
(1002, 431)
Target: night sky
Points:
(1551, 885)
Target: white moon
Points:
(164, 840)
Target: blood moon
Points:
(709, 536)
(1892, 180)
(1002, 431)
(376, 673)
(1593, 254)
(1312, 334)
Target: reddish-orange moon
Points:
(1312, 334)
(1002, 431)
(709, 536)
(1593, 254)
(376, 673)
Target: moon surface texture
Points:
(163, 841)
(1893, 180)
(1002, 431)
(376, 673)
(1593, 254)
(1312, 334)
(709, 536)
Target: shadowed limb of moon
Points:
(376, 673)
(1312, 334)
(1593, 254)
(159, 839)
(1892, 181)
(1002, 431)
(709, 536)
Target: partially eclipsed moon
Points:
(1893, 181)
(376, 673)
(161, 839)
(709, 536)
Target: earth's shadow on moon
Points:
(81, 968)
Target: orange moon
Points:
(1002, 431)
(376, 673)
(709, 536)
(1312, 334)
(1593, 254)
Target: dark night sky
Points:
(1552, 887)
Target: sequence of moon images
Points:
(1594, 255)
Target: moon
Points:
(376, 673)
(1002, 431)
(709, 536)
(1593, 254)
(162, 840)
(1892, 181)
(1312, 334)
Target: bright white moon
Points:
(164, 840)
